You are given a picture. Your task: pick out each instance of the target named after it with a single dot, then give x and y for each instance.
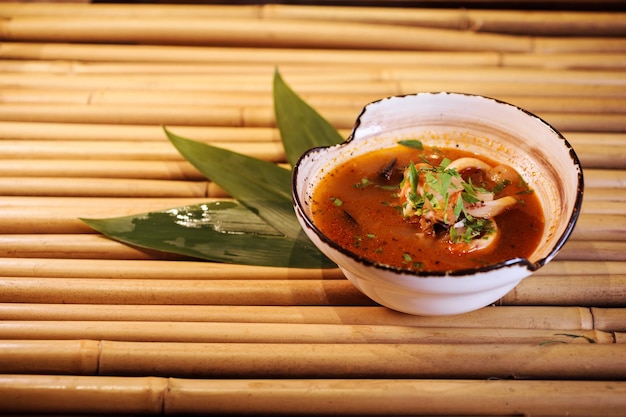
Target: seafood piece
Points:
(462, 164)
(486, 209)
(487, 240)
(441, 196)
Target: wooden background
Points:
(91, 326)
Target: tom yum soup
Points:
(428, 209)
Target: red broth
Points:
(357, 205)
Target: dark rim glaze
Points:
(299, 206)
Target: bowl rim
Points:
(520, 261)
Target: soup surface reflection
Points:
(431, 209)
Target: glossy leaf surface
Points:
(301, 126)
(222, 231)
(262, 186)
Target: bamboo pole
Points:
(76, 246)
(158, 270)
(546, 23)
(75, 394)
(300, 360)
(548, 45)
(407, 397)
(64, 357)
(609, 318)
(186, 55)
(599, 178)
(374, 87)
(499, 21)
(156, 115)
(599, 194)
(137, 169)
(231, 289)
(603, 207)
(98, 53)
(590, 251)
(102, 187)
(40, 332)
(242, 116)
(253, 360)
(139, 203)
(569, 290)
(259, 78)
(132, 150)
(181, 55)
(40, 131)
(565, 60)
(13, 9)
(344, 102)
(232, 78)
(281, 32)
(65, 220)
(188, 98)
(576, 138)
(253, 32)
(580, 267)
(501, 317)
(607, 61)
(182, 291)
(153, 395)
(610, 227)
(94, 246)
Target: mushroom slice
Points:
(489, 209)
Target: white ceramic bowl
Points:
(489, 127)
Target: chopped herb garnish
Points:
(412, 143)
(473, 228)
(388, 187)
(444, 196)
(444, 163)
(458, 208)
(501, 186)
(336, 201)
(413, 178)
(364, 183)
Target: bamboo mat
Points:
(91, 326)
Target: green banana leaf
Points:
(220, 231)
(260, 227)
(301, 126)
(262, 186)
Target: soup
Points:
(429, 209)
